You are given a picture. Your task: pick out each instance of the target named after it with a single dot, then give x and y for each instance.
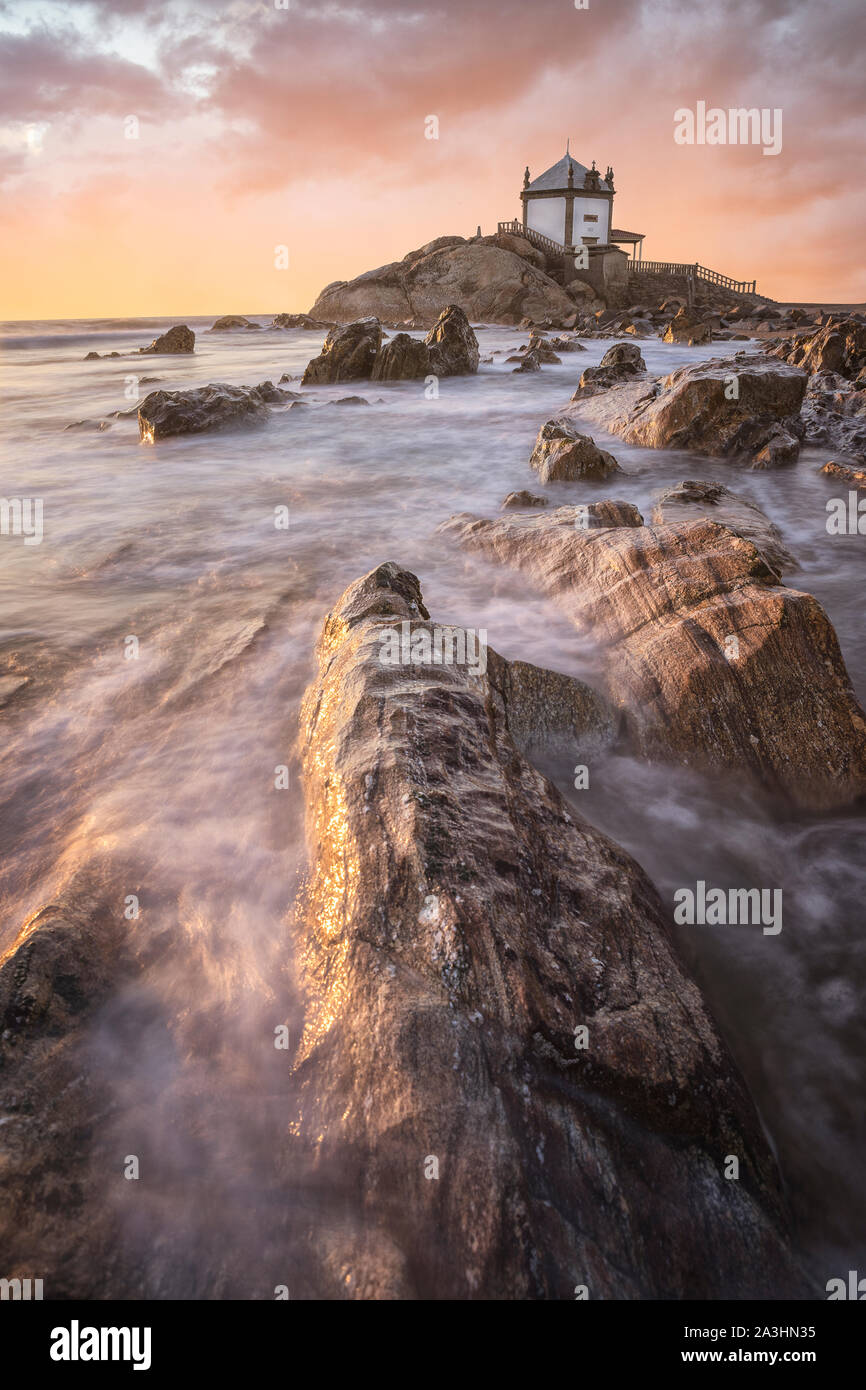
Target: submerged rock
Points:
(714, 662)
(462, 924)
(560, 452)
(229, 322)
(718, 503)
(524, 499)
(725, 406)
(164, 413)
(178, 339)
(304, 321)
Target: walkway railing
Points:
(544, 243)
(694, 271)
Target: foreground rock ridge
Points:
(460, 924)
(712, 660)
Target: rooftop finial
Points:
(567, 144)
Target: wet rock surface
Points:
(216, 406)
(357, 351)
(179, 339)
(562, 453)
(718, 503)
(712, 660)
(489, 282)
(448, 957)
(724, 406)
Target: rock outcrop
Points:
(730, 406)
(561, 453)
(212, 407)
(356, 351)
(452, 344)
(839, 346)
(179, 339)
(304, 321)
(687, 327)
(491, 284)
(713, 661)
(852, 477)
(621, 363)
(462, 924)
(713, 500)
(348, 354)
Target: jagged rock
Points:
(165, 413)
(620, 363)
(695, 407)
(560, 453)
(229, 322)
(529, 362)
(452, 344)
(542, 348)
(782, 446)
(348, 354)
(852, 477)
(524, 499)
(718, 503)
(833, 413)
(714, 662)
(839, 346)
(404, 358)
(566, 345)
(490, 284)
(177, 339)
(461, 923)
(304, 321)
(686, 327)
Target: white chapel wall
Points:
(547, 215)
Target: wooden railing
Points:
(694, 271)
(544, 243)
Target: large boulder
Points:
(700, 499)
(713, 660)
(452, 344)
(211, 407)
(403, 358)
(730, 406)
(177, 340)
(561, 453)
(461, 924)
(348, 354)
(488, 283)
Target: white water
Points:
(166, 763)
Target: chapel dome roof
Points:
(557, 176)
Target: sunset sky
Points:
(305, 126)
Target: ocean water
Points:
(161, 768)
